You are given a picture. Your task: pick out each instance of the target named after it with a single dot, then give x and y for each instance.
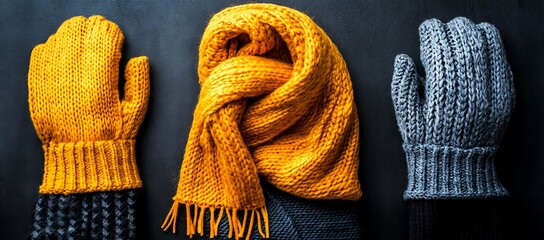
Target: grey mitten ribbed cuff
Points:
(439, 172)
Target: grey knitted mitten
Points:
(452, 122)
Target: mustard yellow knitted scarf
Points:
(276, 101)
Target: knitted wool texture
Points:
(456, 219)
(104, 215)
(87, 132)
(276, 100)
(293, 218)
(451, 132)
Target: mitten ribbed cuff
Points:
(442, 172)
(82, 167)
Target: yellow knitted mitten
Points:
(87, 132)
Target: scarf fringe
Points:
(194, 215)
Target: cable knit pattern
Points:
(85, 216)
(452, 121)
(276, 101)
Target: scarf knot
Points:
(276, 101)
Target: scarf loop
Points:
(276, 101)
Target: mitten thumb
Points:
(134, 104)
(405, 94)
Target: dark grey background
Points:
(368, 33)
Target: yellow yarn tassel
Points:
(195, 220)
(217, 222)
(172, 216)
(212, 222)
(250, 228)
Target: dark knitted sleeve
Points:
(293, 218)
(101, 215)
(458, 219)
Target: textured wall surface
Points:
(368, 33)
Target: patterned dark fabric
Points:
(104, 215)
(293, 218)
